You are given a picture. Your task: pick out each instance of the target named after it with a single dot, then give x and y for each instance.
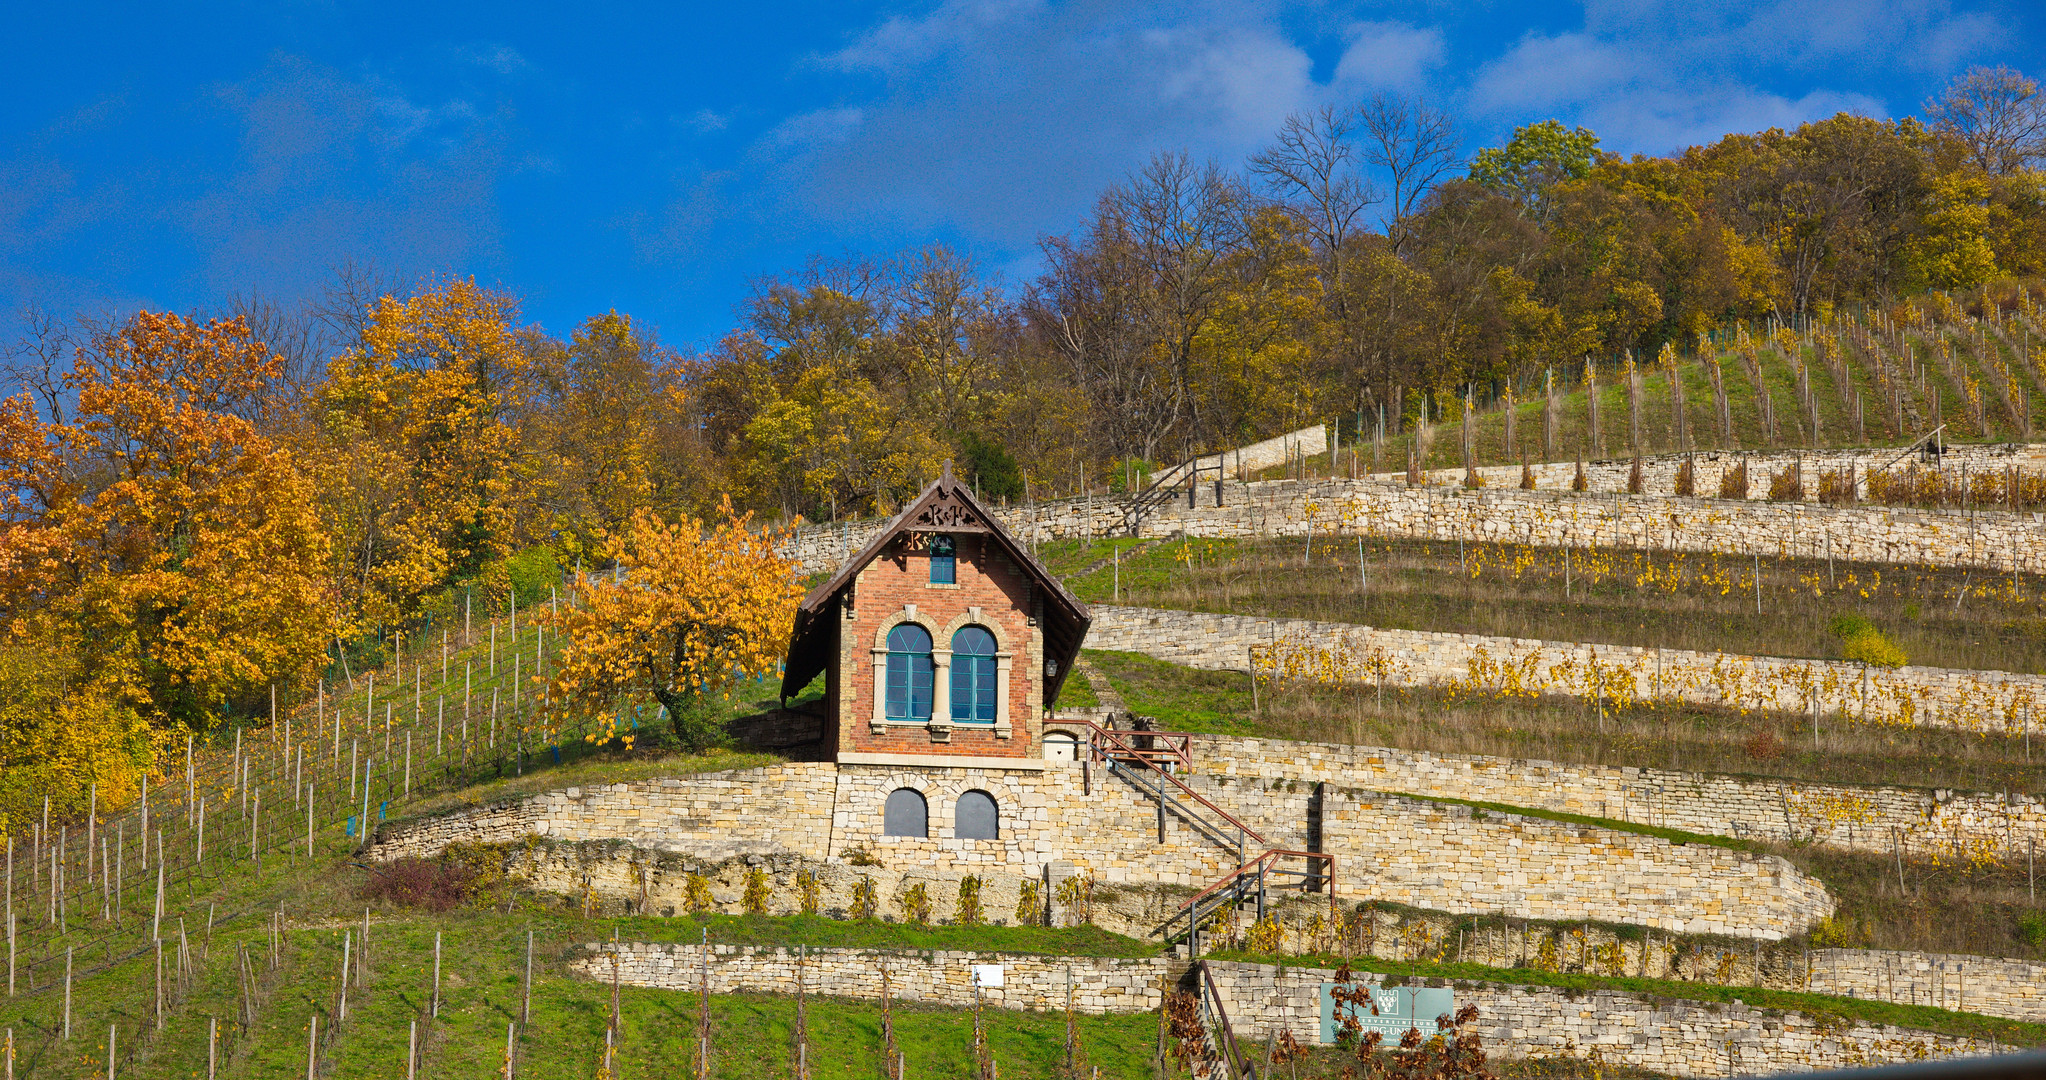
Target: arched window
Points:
(905, 814)
(976, 817)
(944, 561)
(909, 673)
(973, 676)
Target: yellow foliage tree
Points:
(418, 446)
(692, 608)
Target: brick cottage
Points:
(943, 643)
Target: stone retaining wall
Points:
(1992, 986)
(1837, 690)
(1927, 823)
(1991, 540)
(1388, 847)
(1682, 1038)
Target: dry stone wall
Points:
(1681, 1038)
(1991, 986)
(1836, 691)
(1067, 819)
(1927, 823)
(1678, 1037)
(1989, 540)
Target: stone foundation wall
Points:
(1386, 847)
(1682, 1038)
(1839, 691)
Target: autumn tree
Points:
(602, 410)
(164, 554)
(692, 608)
(417, 447)
(1998, 114)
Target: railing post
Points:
(1161, 809)
(1261, 889)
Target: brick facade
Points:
(991, 591)
(843, 625)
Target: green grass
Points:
(1077, 693)
(1917, 1017)
(611, 766)
(820, 932)
(1674, 836)
(1939, 617)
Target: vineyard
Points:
(1974, 365)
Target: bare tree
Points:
(351, 299)
(1311, 165)
(1998, 114)
(1414, 144)
(37, 361)
(1183, 220)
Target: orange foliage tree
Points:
(693, 608)
(160, 550)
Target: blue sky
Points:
(659, 159)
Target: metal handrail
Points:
(1179, 744)
(1177, 782)
(1238, 1064)
(1279, 853)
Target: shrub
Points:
(1733, 483)
(807, 891)
(1076, 895)
(758, 891)
(2032, 928)
(916, 904)
(432, 884)
(1860, 641)
(866, 899)
(968, 912)
(1764, 746)
(1030, 904)
(696, 892)
(1787, 484)
(1687, 479)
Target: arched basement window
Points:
(974, 684)
(909, 673)
(944, 561)
(976, 817)
(905, 814)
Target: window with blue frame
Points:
(973, 676)
(944, 561)
(909, 673)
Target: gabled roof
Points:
(947, 506)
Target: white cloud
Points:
(1543, 72)
(705, 121)
(1005, 118)
(1388, 54)
(498, 57)
(819, 128)
(903, 42)
(1655, 75)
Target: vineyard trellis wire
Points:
(108, 887)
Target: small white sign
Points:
(988, 975)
